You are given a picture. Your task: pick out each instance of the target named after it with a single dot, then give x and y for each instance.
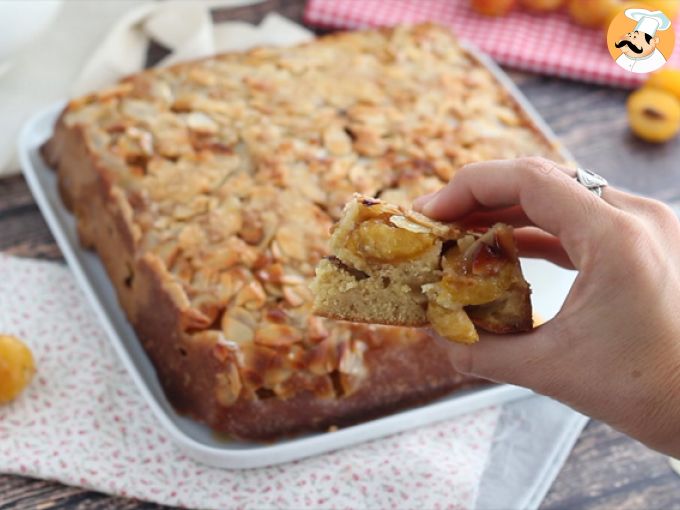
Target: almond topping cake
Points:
(208, 190)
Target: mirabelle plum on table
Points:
(669, 7)
(16, 367)
(493, 7)
(654, 114)
(667, 80)
(614, 9)
(590, 13)
(541, 5)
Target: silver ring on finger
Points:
(592, 181)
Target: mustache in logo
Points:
(626, 42)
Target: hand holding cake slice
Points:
(398, 267)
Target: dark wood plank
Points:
(591, 122)
(606, 469)
(24, 493)
(292, 9)
(23, 231)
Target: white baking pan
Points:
(550, 286)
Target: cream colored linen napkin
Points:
(72, 58)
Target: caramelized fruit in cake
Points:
(398, 267)
(16, 367)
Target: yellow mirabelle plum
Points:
(590, 13)
(541, 5)
(493, 7)
(16, 367)
(653, 114)
(666, 79)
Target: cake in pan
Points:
(208, 190)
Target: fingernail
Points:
(420, 203)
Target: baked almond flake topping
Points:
(233, 169)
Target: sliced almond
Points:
(252, 296)
(168, 252)
(352, 368)
(202, 123)
(194, 319)
(336, 140)
(290, 240)
(252, 230)
(208, 304)
(319, 385)
(231, 282)
(273, 290)
(273, 273)
(323, 358)
(220, 259)
(296, 295)
(277, 335)
(405, 223)
(202, 76)
(191, 237)
(276, 251)
(236, 330)
(183, 269)
(144, 138)
(293, 279)
(316, 328)
(225, 220)
(350, 384)
(275, 376)
(161, 90)
(228, 385)
(224, 350)
(370, 145)
(235, 247)
(352, 359)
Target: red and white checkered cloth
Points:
(543, 43)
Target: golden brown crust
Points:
(208, 188)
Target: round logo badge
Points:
(640, 40)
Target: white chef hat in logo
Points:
(648, 22)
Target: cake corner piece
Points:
(394, 266)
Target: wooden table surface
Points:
(606, 469)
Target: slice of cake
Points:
(398, 267)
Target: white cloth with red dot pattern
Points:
(82, 422)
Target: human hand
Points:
(613, 350)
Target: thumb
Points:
(522, 359)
